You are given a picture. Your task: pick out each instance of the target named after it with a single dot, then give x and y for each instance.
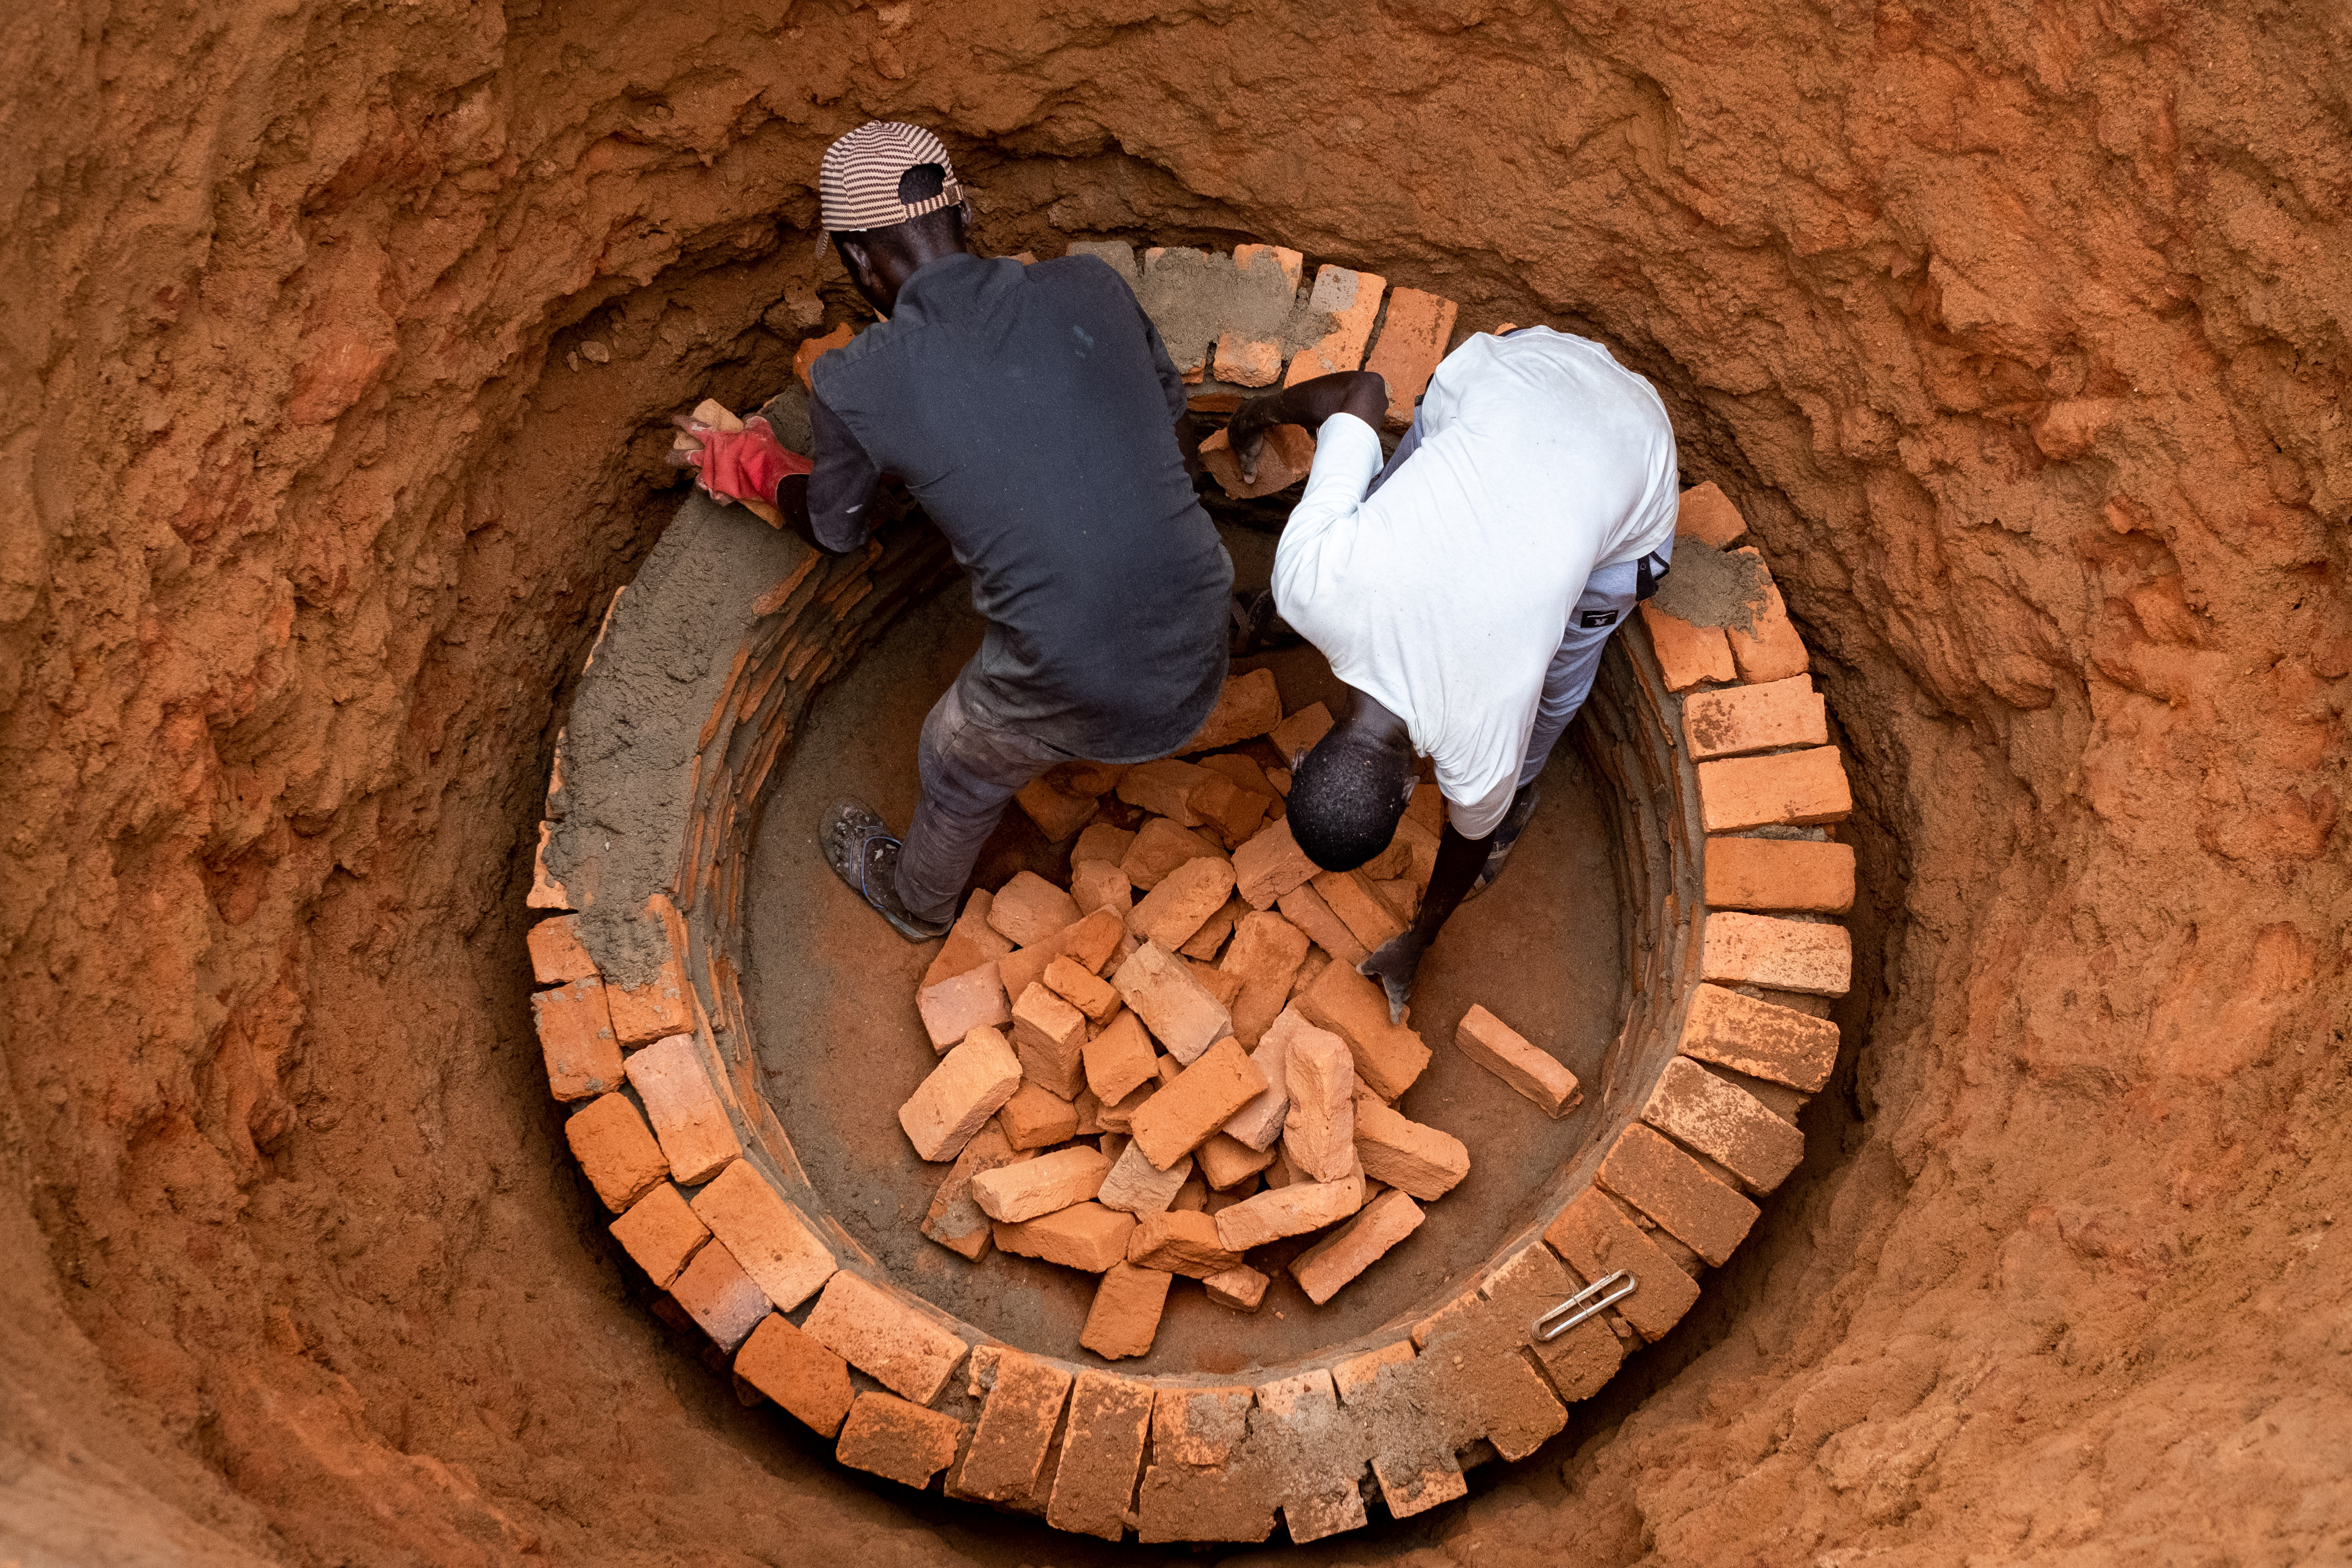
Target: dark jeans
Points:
(970, 772)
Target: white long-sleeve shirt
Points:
(1445, 595)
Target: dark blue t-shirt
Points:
(1031, 410)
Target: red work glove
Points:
(740, 464)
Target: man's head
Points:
(889, 199)
(1348, 793)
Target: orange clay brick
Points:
(1210, 940)
(1779, 873)
(616, 1150)
(1171, 912)
(953, 1220)
(1049, 1033)
(1755, 719)
(887, 1437)
(797, 1373)
(1426, 1162)
(661, 1232)
(1102, 1451)
(1298, 734)
(1706, 513)
(767, 1235)
(575, 1036)
(885, 1336)
(969, 944)
(1353, 301)
(556, 952)
(1173, 1004)
(954, 1008)
(1724, 1122)
(1239, 1289)
(1057, 812)
(1137, 1186)
(1788, 788)
(1119, 1057)
(1181, 1116)
(1412, 340)
(1776, 955)
(1269, 274)
(971, 1083)
(1672, 1188)
(1304, 908)
(1125, 1317)
(1160, 847)
(1015, 1429)
(1319, 1129)
(1037, 1118)
(1081, 988)
(1771, 650)
(1291, 1210)
(1179, 1241)
(1389, 1057)
(1761, 1039)
(1248, 707)
(1085, 1236)
(688, 1117)
(1687, 655)
(1323, 1268)
(1509, 1056)
(546, 893)
(1029, 909)
(1041, 1186)
(716, 1292)
(1101, 841)
(1597, 1240)
(1367, 916)
(1266, 953)
(1102, 885)
(1270, 865)
(1285, 456)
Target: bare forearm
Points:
(1361, 392)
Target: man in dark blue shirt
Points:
(1034, 413)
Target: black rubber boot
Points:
(865, 854)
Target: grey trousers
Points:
(970, 772)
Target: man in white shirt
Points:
(1464, 591)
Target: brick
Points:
(1706, 513)
(883, 1335)
(1206, 942)
(954, 1220)
(1319, 1129)
(1241, 770)
(1424, 1161)
(1755, 719)
(1760, 1038)
(1086, 1236)
(796, 1371)
(1358, 1378)
(1087, 943)
(1777, 955)
(660, 1232)
(969, 944)
(1090, 1106)
(721, 1297)
(1179, 1241)
(1259, 1124)
(1081, 988)
(1137, 1186)
(1249, 706)
(1199, 1426)
(1412, 340)
(1102, 1452)
(1174, 1006)
(1266, 953)
(1269, 280)
(776, 1245)
(1511, 1056)
(1779, 873)
(1221, 986)
(1101, 842)
(1269, 865)
(1240, 1289)
(1117, 254)
(1119, 1057)
(971, 1083)
(1161, 846)
(1724, 1122)
(1102, 885)
(1040, 1187)
(1057, 812)
(811, 348)
(1037, 1118)
(1292, 1210)
(557, 953)
(954, 1008)
(687, 1115)
(1225, 1162)
(1015, 1429)
(1298, 734)
(1390, 1056)
(1366, 915)
(887, 1437)
(1502, 1397)
(1193, 1195)
(659, 1006)
(575, 1037)
(1049, 1033)
(1164, 788)
(1770, 649)
(1660, 1180)
(1792, 787)
(1182, 1115)
(616, 1150)
(1120, 1115)
(1029, 909)
(1323, 1268)
(1285, 456)
(1581, 1362)
(1353, 301)
(1184, 899)
(546, 893)
(1687, 655)
(1318, 1490)
(1304, 908)
(1125, 1317)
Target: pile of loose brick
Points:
(1731, 792)
(1173, 1062)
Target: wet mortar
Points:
(831, 991)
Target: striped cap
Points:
(857, 184)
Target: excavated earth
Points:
(337, 359)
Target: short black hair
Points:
(1346, 798)
(920, 182)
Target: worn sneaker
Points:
(1499, 852)
(865, 854)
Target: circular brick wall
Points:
(1714, 749)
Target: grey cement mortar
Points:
(628, 752)
(1711, 588)
(1194, 297)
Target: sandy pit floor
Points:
(831, 991)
